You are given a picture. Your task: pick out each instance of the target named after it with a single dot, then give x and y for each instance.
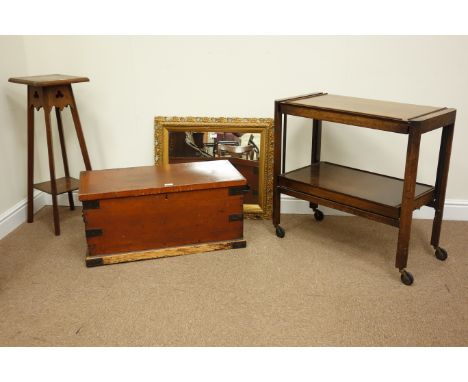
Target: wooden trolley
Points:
(377, 197)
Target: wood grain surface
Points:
(149, 180)
(385, 109)
(48, 80)
(163, 220)
(92, 261)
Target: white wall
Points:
(13, 139)
(134, 79)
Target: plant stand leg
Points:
(53, 182)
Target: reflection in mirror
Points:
(242, 149)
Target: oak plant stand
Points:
(52, 92)
(374, 196)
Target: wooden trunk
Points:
(158, 211)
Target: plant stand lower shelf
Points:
(63, 185)
(371, 195)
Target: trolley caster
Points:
(441, 254)
(406, 277)
(280, 231)
(318, 215)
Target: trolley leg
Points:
(406, 213)
(316, 141)
(315, 158)
(276, 171)
(285, 133)
(441, 182)
(440, 187)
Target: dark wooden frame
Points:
(52, 92)
(400, 215)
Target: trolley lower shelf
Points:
(359, 192)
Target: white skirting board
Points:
(16, 215)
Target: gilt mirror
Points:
(246, 142)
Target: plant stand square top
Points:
(48, 80)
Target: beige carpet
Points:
(328, 283)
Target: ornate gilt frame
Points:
(264, 126)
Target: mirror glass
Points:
(242, 149)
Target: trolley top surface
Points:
(369, 107)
